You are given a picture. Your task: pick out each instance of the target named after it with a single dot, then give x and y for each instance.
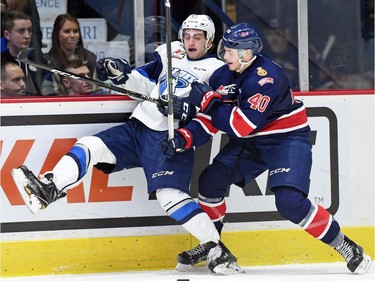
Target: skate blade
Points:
(187, 268)
(228, 269)
(364, 266)
(31, 201)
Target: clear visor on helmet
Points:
(221, 50)
(230, 52)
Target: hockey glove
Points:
(114, 69)
(183, 140)
(203, 96)
(182, 110)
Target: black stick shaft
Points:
(169, 70)
(23, 56)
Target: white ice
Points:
(294, 272)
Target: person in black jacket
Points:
(17, 31)
(67, 44)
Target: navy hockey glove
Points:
(204, 96)
(182, 110)
(114, 69)
(183, 140)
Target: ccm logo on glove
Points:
(208, 100)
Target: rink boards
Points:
(110, 223)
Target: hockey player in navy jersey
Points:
(136, 143)
(250, 100)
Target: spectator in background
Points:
(28, 7)
(76, 87)
(67, 44)
(13, 83)
(17, 30)
(3, 40)
(281, 51)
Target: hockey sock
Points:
(215, 209)
(293, 205)
(219, 226)
(321, 225)
(183, 209)
(86, 152)
(65, 172)
(72, 167)
(202, 228)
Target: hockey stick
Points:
(169, 70)
(24, 54)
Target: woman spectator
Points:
(67, 45)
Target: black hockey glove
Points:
(204, 96)
(116, 70)
(182, 110)
(183, 140)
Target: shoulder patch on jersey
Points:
(265, 80)
(261, 71)
(179, 54)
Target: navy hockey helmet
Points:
(242, 36)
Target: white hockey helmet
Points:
(200, 22)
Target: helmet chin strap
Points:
(243, 64)
(206, 48)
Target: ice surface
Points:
(294, 272)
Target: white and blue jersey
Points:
(137, 143)
(151, 80)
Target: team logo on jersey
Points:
(181, 80)
(163, 84)
(225, 90)
(265, 80)
(179, 54)
(261, 71)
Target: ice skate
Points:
(37, 193)
(218, 257)
(222, 262)
(357, 261)
(187, 259)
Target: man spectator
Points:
(12, 82)
(17, 27)
(76, 87)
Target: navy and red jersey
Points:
(256, 102)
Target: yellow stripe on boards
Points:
(114, 254)
(91, 255)
(272, 247)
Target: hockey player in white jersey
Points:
(137, 143)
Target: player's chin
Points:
(231, 66)
(25, 45)
(193, 54)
